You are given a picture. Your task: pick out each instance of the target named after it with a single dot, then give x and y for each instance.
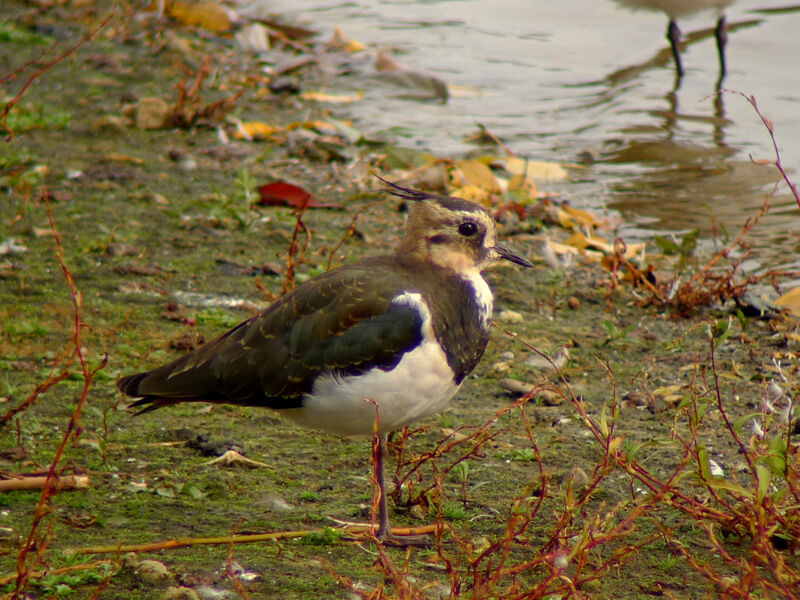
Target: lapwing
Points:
(388, 339)
(676, 9)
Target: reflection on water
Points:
(700, 184)
(556, 81)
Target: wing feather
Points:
(326, 325)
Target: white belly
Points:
(420, 385)
(677, 8)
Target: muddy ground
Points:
(162, 243)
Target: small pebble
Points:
(509, 316)
(506, 356)
(188, 164)
(152, 571)
(153, 113)
(180, 593)
(500, 369)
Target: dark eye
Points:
(468, 229)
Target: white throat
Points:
(483, 295)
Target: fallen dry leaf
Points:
(543, 171)
(254, 130)
(281, 193)
(791, 301)
(332, 98)
(478, 174)
(209, 15)
(472, 193)
(583, 217)
(339, 41)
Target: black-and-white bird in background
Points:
(402, 330)
(677, 9)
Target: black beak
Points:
(510, 256)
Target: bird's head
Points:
(450, 232)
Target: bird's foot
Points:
(398, 536)
(407, 536)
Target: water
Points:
(558, 80)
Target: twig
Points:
(171, 544)
(37, 482)
(348, 234)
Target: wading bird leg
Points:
(721, 33)
(674, 37)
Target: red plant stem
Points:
(23, 570)
(771, 130)
(299, 225)
(724, 413)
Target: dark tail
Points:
(130, 387)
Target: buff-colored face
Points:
(460, 240)
(455, 234)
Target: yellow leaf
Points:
(615, 444)
(581, 216)
(667, 390)
(559, 248)
(254, 130)
(600, 244)
(581, 241)
(564, 219)
(474, 193)
(478, 174)
(208, 15)
(603, 424)
(577, 240)
(354, 46)
(791, 301)
(332, 98)
(546, 171)
(522, 184)
(324, 127)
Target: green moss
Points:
(13, 33)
